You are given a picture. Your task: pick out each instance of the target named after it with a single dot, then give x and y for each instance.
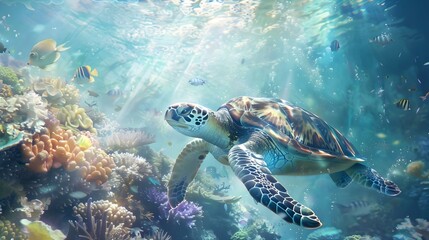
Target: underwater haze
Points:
(86, 87)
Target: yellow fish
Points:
(84, 142)
(45, 53)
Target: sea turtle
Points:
(262, 137)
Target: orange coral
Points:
(59, 148)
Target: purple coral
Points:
(186, 213)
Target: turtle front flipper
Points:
(250, 167)
(370, 178)
(186, 167)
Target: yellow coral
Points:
(38, 230)
(75, 118)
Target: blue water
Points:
(148, 51)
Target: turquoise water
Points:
(147, 54)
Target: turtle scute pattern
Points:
(290, 122)
(264, 188)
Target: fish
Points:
(154, 181)
(243, 61)
(93, 94)
(118, 108)
(84, 73)
(2, 48)
(381, 135)
(197, 81)
(403, 104)
(382, 39)
(412, 89)
(116, 92)
(84, 142)
(335, 45)
(425, 96)
(45, 53)
(78, 194)
(424, 64)
(93, 104)
(358, 208)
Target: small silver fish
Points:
(382, 39)
(116, 92)
(197, 81)
(45, 53)
(358, 208)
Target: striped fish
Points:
(382, 39)
(85, 74)
(335, 45)
(358, 208)
(403, 104)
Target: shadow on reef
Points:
(69, 172)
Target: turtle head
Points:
(188, 118)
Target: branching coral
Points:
(9, 77)
(74, 118)
(56, 91)
(121, 140)
(130, 168)
(185, 214)
(116, 214)
(95, 225)
(419, 231)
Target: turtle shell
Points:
(290, 124)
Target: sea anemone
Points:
(122, 140)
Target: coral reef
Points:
(74, 118)
(27, 111)
(5, 90)
(122, 140)
(96, 167)
(131, 168)
(59, 148)
(51, 149)
(56, 91)
(95, 225)
(185, 214)
(359, 237)
(116, 214)
(9, 230)
(419, 231)
(9, 77)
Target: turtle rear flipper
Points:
(186, 167)
(250, 167)
(370, 178)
